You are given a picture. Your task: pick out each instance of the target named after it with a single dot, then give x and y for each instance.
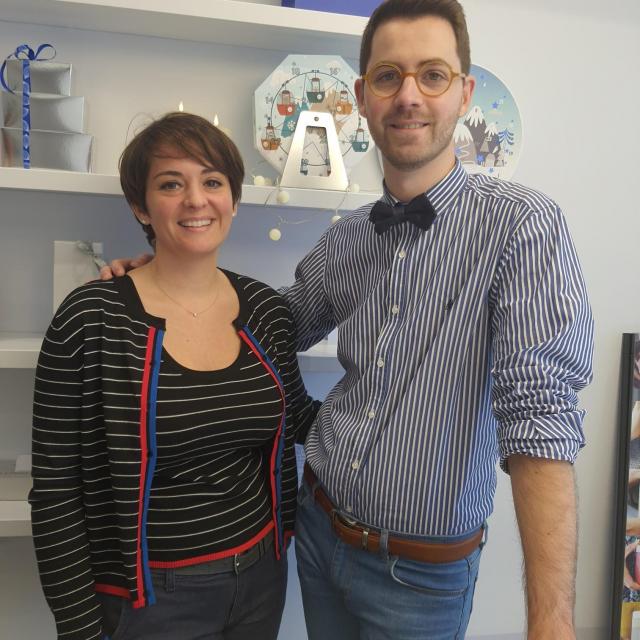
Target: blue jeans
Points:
(224, 606)
(351, 594)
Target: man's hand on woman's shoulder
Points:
(120, 266)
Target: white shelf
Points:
(15, 513)
(19, 350)
(97, 184)
(321, 358)
(221, 21)
(62, 181)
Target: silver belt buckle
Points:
(348, 521)
(365, 539)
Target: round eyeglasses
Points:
(433, 78)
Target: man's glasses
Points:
(433, 78)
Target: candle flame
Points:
(216, 121)
(181, 106)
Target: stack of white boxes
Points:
(56, 140)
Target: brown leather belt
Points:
(358, 535)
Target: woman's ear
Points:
(142, 217)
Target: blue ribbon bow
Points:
(25, 53)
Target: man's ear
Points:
(359, 90)
(467, 95)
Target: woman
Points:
(167, 403)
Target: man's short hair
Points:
(187, 134)
(449, 10)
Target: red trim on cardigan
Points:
(274, 452)
(144, 401)
(113, 591)
(159, 564)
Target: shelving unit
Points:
(108, 185)
(15, 513)
(226, 22)
(19, 350)
(221, 21)
(321, 358)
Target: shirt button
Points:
(395, 309)
(371, 414)
(402, 253)
(380, 362)
(355, 465)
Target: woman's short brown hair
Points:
(189, 134)
(449, 10)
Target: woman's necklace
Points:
(195, 314)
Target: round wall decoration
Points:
(488, 139)
(309, 83)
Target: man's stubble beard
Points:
(421, 157)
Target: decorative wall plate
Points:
(314, 83)
(489, 138)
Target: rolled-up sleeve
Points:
(542, 341)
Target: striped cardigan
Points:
(93, 464)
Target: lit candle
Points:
(225, 130)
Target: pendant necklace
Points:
(195, 314)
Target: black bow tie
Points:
(419, 211)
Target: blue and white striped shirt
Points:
(461, 344)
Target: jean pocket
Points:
(446, 580)
(114, 615)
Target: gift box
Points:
(46, 76)
(48, 149)
(352, 8)
(41, 122)
(48, 112)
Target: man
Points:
(482, 313)
(465, 333)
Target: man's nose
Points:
(409, 94)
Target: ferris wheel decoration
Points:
(317, 84)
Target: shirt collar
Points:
(442, 194)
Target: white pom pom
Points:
(354, 187)
(275, 235)
(268, 182)
(259, 181)
(335, 218)
(282, 197)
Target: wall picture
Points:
(626, 576)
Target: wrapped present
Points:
(26, 55)
(49, 112)
(49, 149)
(46, 76)
(41, 123)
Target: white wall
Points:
(571, 67)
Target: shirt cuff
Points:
(554, 437)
